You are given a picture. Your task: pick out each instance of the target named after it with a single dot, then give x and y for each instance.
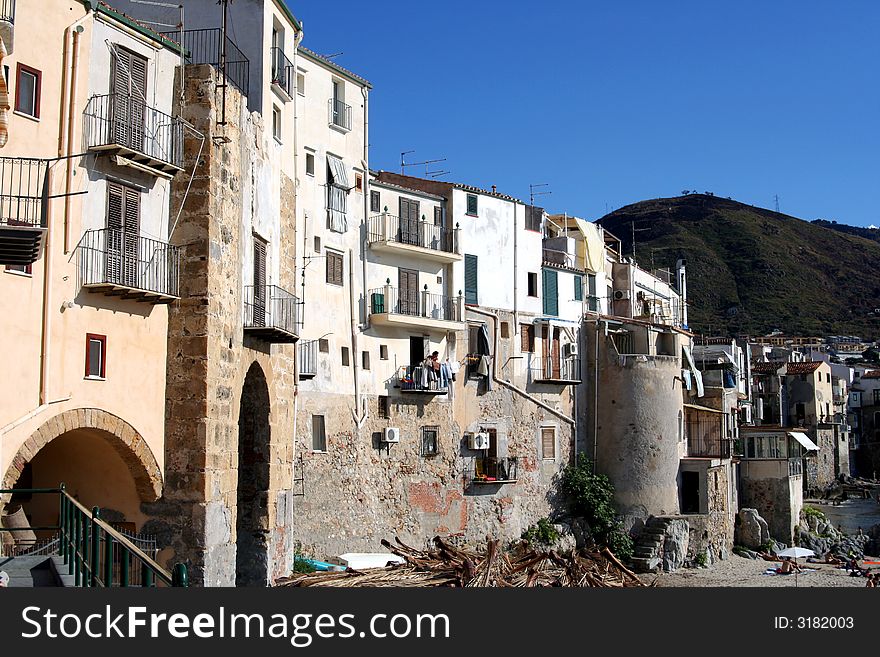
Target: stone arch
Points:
(119, 434)
(252, 493)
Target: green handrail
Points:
(95, 553)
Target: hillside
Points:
(752, 270)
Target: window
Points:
(319, 434)
(324, 346)
(334, 268)
(505, 329)
(359, 182)
(383, 407)
(548, 443)
(301, 83)
(375, 202)
(876, 392)
(310, 164)
(430, 446)
(317, 244)
(345, 361)
(472, 205)
(21, 269)
(578, 288)
(96, 356)
(533, 284)
(591, 290)
(365, 360)
(27, 90)
(470, 279)
(383, 352)
(527, 338)
(276, 123)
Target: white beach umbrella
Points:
(795, 552)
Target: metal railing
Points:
(705, 434)
(708, 447)
(491, 469)
(795, 467)
(340, 113)
(549, 369)
(282, 70)
(419, 377)
(23, 188)
(388, 227)
(128, 122)
(7, 10)
(270, 306)
(307, 358)
(96, 554)
(419, 303)
(557, 257)
(207, 47)
(110, 256)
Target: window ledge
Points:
(23, 274)
(470, 214)
(35, 119)
(94, 378)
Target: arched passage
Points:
(252, 512)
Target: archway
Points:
(252, 512)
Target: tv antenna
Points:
(634, 231)
(404, 164)
(533, 193)
(776, 201)
(336, 54)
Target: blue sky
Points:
(618, 101)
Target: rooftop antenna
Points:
(776, 200)
(634, 231)
(336, 54)
(533, 193)
(404, 164)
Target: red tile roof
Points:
(803, 368)
(766, 368)
(873, 374)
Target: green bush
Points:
(592, 497)
(542, 533)
(813, 511)
(702, 559)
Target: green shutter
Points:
(594, 300)
(470, 279)
(551, 293)
(578, 288)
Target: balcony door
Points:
(408, 290)
(128, 98)
(409, 221)
(259, 307)
(121, 244)
(550, 341)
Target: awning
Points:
(338, 176)
(594, 246)
(804, 440)
(697, 407)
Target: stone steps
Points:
(36, 571)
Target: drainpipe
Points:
(45, 321)
(354, 342)
(596, 389)
(515, 273)
(366, 164)
(71, 107)
(509, 385)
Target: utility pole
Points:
(776, 201)
(634, 231)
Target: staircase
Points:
(648, 551)
(35, 571)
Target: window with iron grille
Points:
(334, 268)
(430, 441)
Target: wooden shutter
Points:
(551, 292)
(334, 268)
(438, 216)
(128, 88)
(470, 279)
(259, 318)
(591, 289)
(548, 443)
(527, 337)
(130, 231)
(408, 289)
(409, 221)
(578, 288)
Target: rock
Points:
(675, 545)
(751, 529)
(566, 541)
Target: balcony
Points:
(421, 380)
(340, 114)
(556, 371)
(118, 263)
(271, 313)
(386, 233)
(494, 470)
(137, 134)
(708, 447)
(307, 358)
(209, 47)
(795, 467)
(413, 309)
(23, 188)
(282, 73)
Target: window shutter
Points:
(438, 216)
(578, 288)
(470, 279)
(591, 283)
(138, 69)
(548, 443)
(259, 266)
(526, 338)
(115, 195)
(551, 292)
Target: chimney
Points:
(493, 189)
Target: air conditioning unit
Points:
(570, 350)
(621, 294)
(479, 440)
(392, 435)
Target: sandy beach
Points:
(739, 571)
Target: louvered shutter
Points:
(591, 289)
(130, 231)
(548, 443)
(578, 288)
(259, 282)
(551, 292)
(128, 89)
(527, 343)
(470, 279)
(113, 234)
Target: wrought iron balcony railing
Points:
(209, 47)
(427, 235)
(272, 312)
(420, 378)
(494, 470)
(282, 71)
(795, 467)
(340, 114)
(122, 263)
(708, 447)
(7, 11)
(127, 124)
(23, 188)
(556, 369)
(414, 303)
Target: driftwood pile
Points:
(446, 565)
